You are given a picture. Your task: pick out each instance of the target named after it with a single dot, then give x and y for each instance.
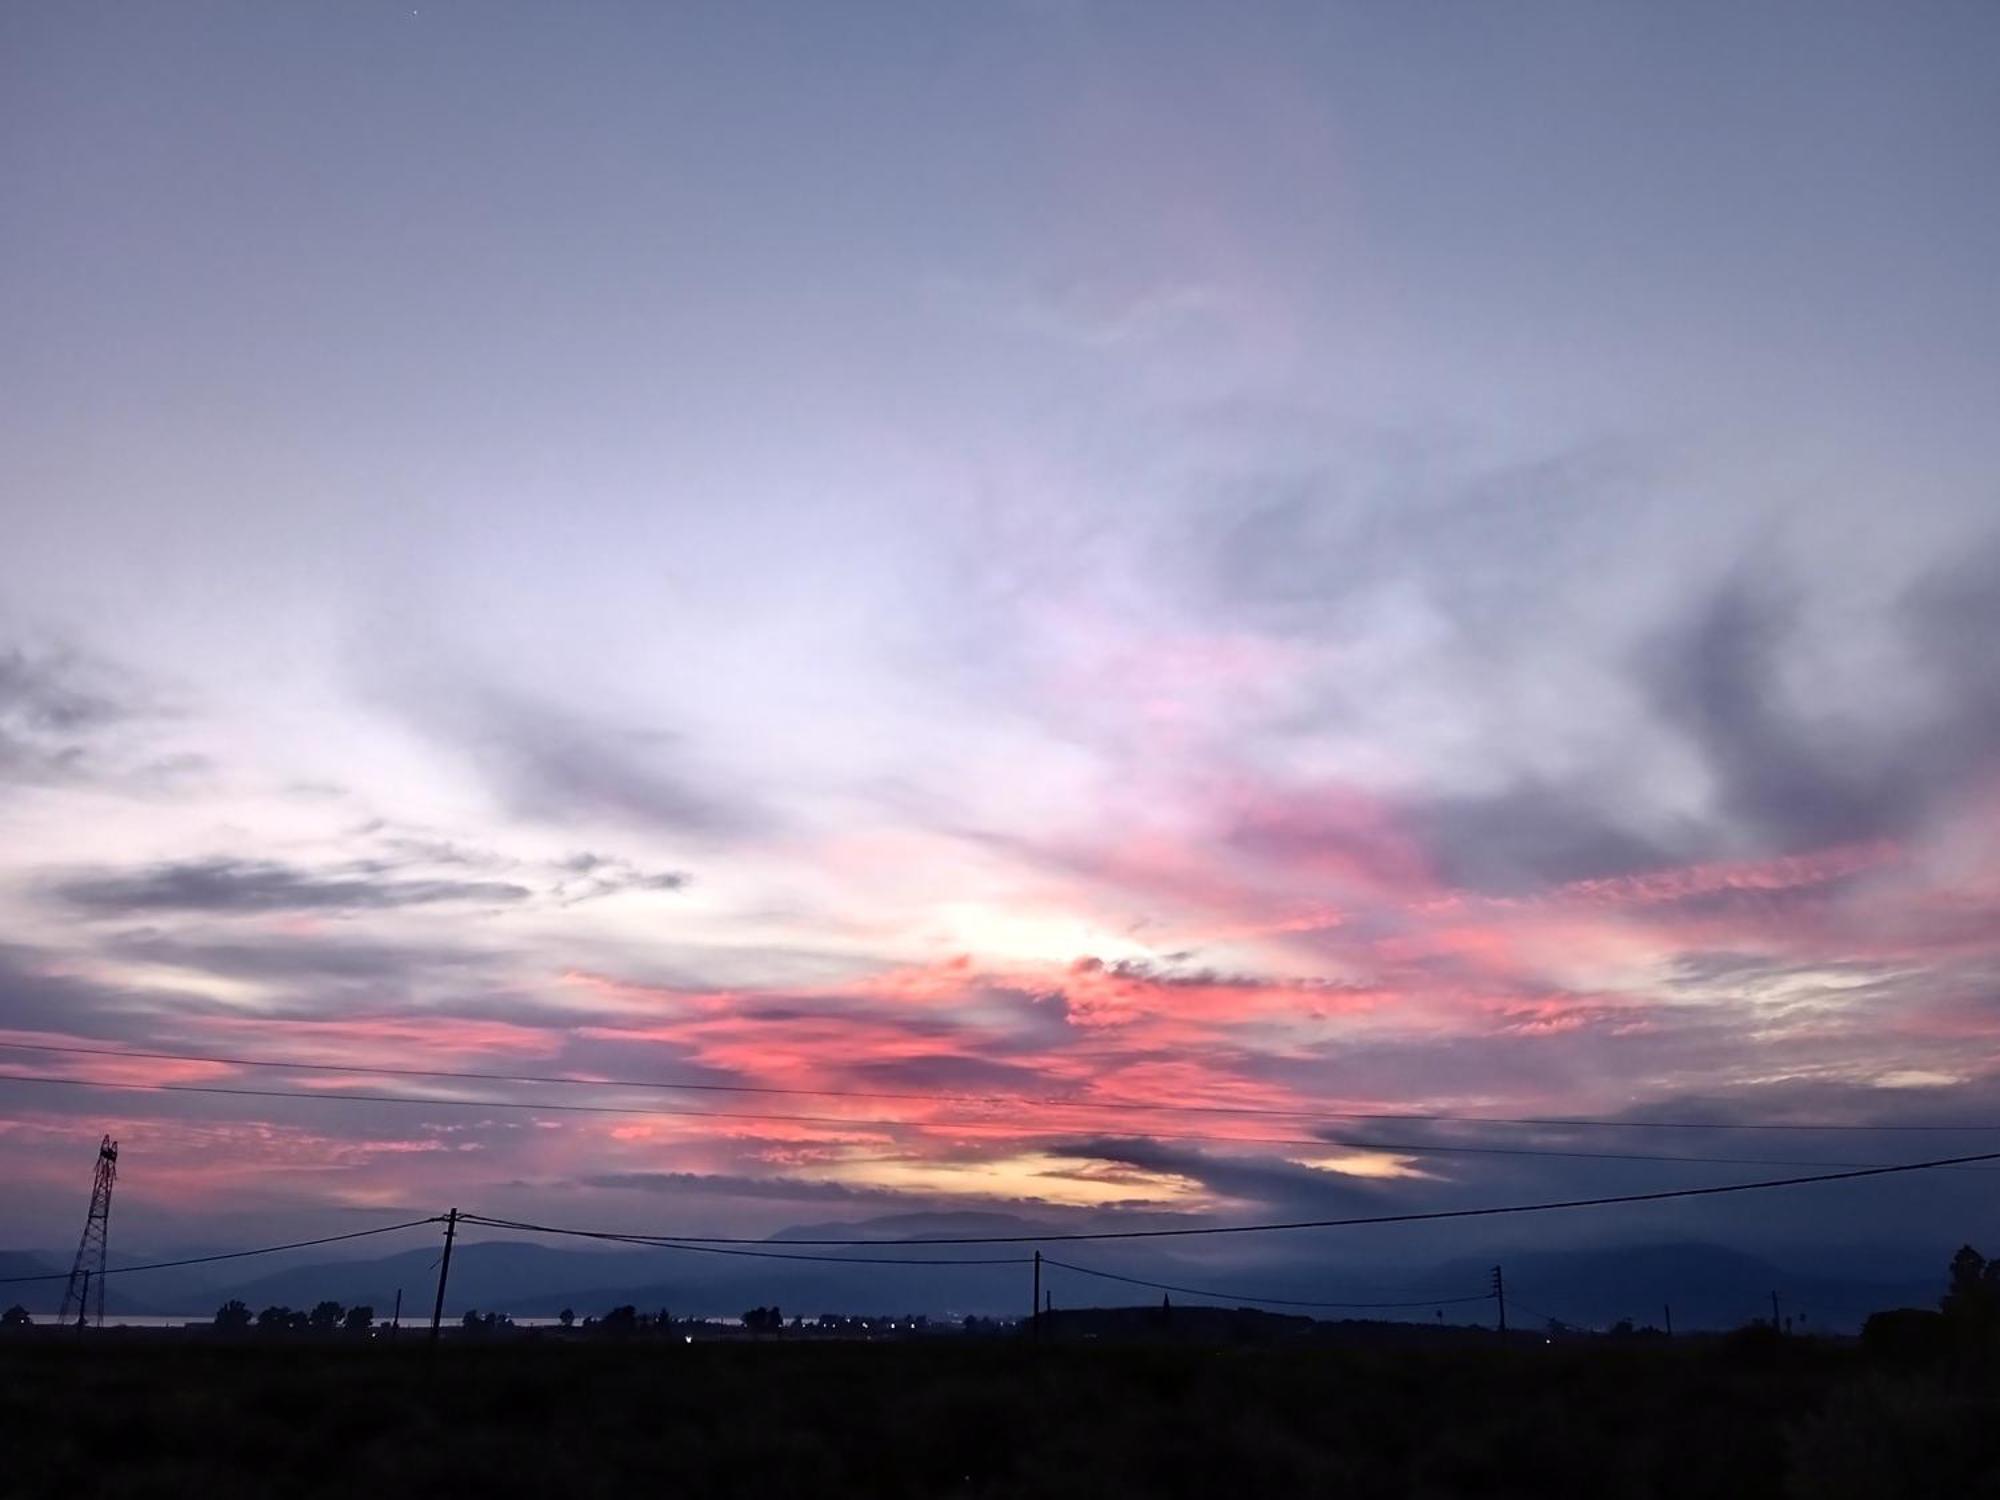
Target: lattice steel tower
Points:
(85, 1292)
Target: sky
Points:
(1183, 560)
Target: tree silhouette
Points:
(567, 1317)
(358, 1319)
(16, 1317)
(1973, 1295)
(325, 1317)
(232, 1317)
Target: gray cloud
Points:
(1953, 621)
(1717, 679)
(1530, 835)
(587, 877)
(1295, 549)
(224, 886)
(33, 997)
(293, 958)
(50, 708)
(776, 1189)
(1789, 778)
(947, 1073)
(552, 765)
(1803, 781)
(1266, 1180)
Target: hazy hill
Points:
(44, 1298)
(1708, 1286)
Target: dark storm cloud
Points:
(223, 886)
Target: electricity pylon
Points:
(85, 1291)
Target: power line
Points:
(203, 1260)
(1425, 1216)
(1196, 1291)
(663, 1244)
(520, 1226)
(1408, 1148)
(1548, 1317)
(1013, 1101)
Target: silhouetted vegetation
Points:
(1962, 1337)
(1171, 1401)
(1757, 1416)
(326, 1320)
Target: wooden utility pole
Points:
(1035, 1306)
(1668, 1309)
(1500, 1296)
(444, 1271)
(1776, 1326)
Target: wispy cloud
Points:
(224, 886)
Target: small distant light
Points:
(687, 1338)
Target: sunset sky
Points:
(1374, 558)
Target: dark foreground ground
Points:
(959, 1417)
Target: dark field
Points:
(963, 1417)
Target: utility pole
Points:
(444, 1272)
(1776, 1326)
(1668, 1309)
(1035, 1307)
(396, 1318)
(1500, 1296)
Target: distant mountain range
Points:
(1706, 1286)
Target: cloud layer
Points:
(1067, 615)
